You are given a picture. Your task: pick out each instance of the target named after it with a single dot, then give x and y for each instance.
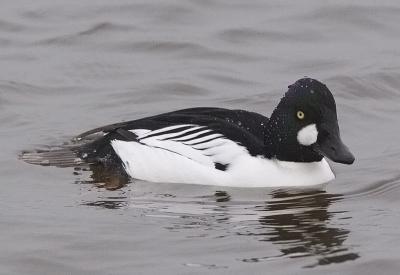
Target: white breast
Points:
(162, 156)
(261, 172)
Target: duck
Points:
(218, 146)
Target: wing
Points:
(198, 143)
(243, 127)
(180, 153)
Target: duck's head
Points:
(304, 126)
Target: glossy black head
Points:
(304, 126)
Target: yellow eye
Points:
(300, 115)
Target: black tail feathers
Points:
(64, 157)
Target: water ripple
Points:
(98, 30)
(187, 50)
(7, 26)
(376, 189)
(250, 36)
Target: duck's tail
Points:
(64, 157)
(92, 149)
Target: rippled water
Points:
(68, 66)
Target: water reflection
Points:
(300, 224)
(102, 176)
(222, 196)
(106, 180)
(109, 203)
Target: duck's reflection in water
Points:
(300, 223)
(108, 179)
(302, 226)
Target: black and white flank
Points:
(216, 146)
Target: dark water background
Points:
(68, 66)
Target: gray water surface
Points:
(69, 66)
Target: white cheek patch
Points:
(307, 135)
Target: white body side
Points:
(172, 161)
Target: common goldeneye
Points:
(216, 146)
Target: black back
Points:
(245, 128)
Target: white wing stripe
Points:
(203, 139)
(191, 135)
(169, 135)
(169, 128)
(213, 143)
